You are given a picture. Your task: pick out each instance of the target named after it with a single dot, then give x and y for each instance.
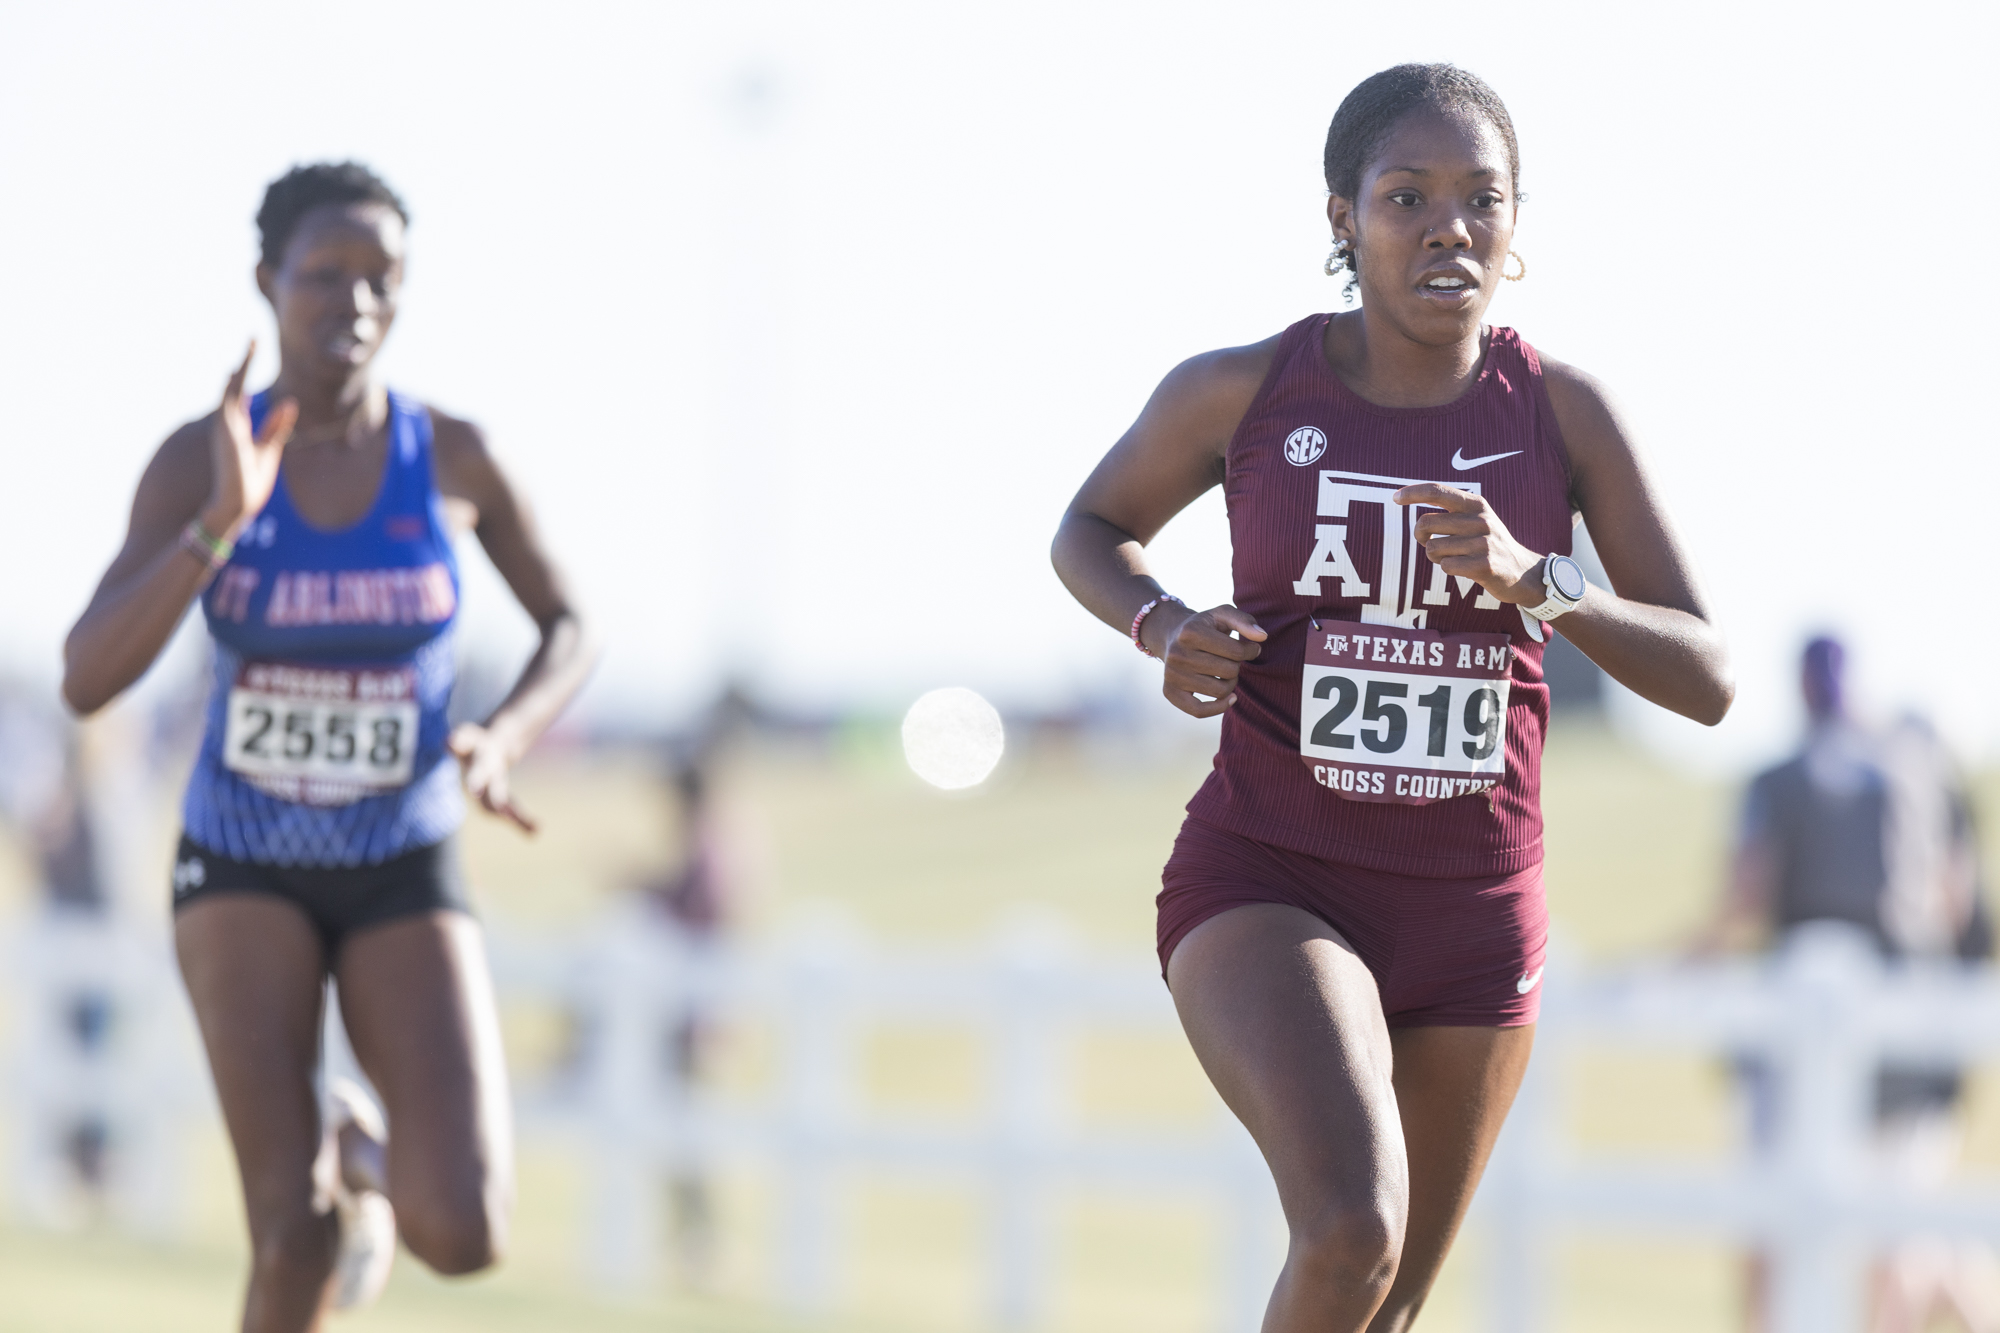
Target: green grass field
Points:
(1635, 851)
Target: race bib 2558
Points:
(322, 735)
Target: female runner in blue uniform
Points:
(314, 522)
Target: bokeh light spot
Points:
(952, 738)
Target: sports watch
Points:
(1563, 578)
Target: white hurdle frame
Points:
(1824, 1014)
(820, 988)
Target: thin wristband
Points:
(211, 551)
(1148, 610)
(222, 546)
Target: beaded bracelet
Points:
(211, 551)
(1148, 610)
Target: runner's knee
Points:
(1347, 1248)
(454, 1236)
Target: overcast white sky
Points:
(801, 323)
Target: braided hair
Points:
(1368, 114)
(304, 188)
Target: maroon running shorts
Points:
(1444, 952)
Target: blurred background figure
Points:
(62, 1148)
(72, 882)
(698, 899)
(78, 1156)
(1870, 827)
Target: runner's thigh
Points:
(417, 1000)
(253, 967)
(1288, 1024)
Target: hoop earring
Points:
(1514, 277)
(1339, 259)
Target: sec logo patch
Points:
(1305, 445)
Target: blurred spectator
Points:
(66, 853)
(33, 740)
(1872, 827)
(697, 897)
(43, 797)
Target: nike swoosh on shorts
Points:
(1464, 464)
(1528, 981)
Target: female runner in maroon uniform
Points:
(1352, 922)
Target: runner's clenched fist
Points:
(1202, 659)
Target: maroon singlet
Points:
(1309, 475)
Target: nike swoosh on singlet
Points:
(1464, 464)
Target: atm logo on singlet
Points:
(1392, 598)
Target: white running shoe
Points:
(367, 1248)
(367, 1222)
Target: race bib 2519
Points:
(1404, 716)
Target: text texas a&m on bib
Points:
(1403, 716)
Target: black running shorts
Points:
(338, 900)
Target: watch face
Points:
(1567, 576)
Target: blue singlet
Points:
(325, 740)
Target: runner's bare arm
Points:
(216, 469)
(1656, 635)
(1168, 458)
(467, 472)
(142, 596)
(1651, 631)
